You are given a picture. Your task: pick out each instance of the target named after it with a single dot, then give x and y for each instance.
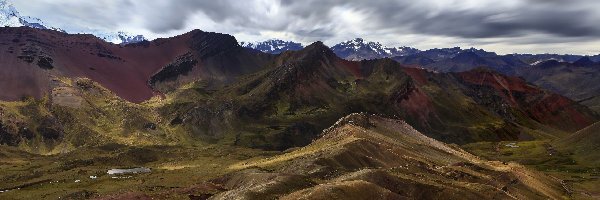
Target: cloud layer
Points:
(564, 26)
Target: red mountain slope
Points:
(32, 58)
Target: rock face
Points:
(365, 156)
(181, 66)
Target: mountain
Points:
(415, 60)
(453, 59)
(584, 144)
(306, 90)
(468, 60)
(122, 38)
(10, 17)
(212, 89)
(586, 62)
(34, 57)
(576, 80)
(534, 59)
(440, 54)
(569, 75)
(75, 106)
(358, 49)
(359, 157)
(595, 58)
(364, 156)
(273, 46)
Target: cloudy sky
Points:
(504, 26)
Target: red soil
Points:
(419, 75)
(419, 106)
(505, 85)
(78, 56)
(542, 106)
(560, 111)
(353, 67)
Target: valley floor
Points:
(176, 172)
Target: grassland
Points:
(583, 176)
(176, 171)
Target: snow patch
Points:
(10, 17)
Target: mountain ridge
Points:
(363, 153)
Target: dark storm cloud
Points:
(555, 17)
(322, 19)
(481, 25)
(166, 16)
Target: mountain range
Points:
(273, 46)
(359, 49)
(297, 90)
(213, 118)
(541, 69)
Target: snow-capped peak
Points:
(358, 49)
(119, 37)
(273, 46)
(10, 17)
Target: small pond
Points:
(137, 170)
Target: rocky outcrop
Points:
(181, 66)
(207, 44)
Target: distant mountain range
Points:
(273, 46)
(10, 17)
(359, 49)
(555, 72)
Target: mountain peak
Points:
(359, 49)
(318, 47)
(9, 16)
(356, 41)
(584, 61)
(359, 43)
(318, 44)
